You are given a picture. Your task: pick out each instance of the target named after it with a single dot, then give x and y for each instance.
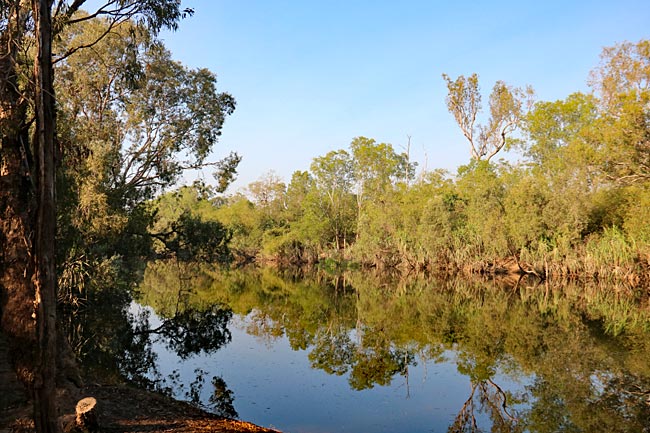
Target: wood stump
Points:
(87, 419)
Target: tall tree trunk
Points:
(45, 409)
(27, 218)
(16, 204)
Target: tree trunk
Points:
(16, 206)
(27, 218)
(45, 408)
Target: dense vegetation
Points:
(576, 202)
(96, 119)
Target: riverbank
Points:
(124, 408)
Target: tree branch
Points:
(73, 50)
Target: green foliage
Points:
(226, 171)
(621, 81)
(268, 195)
(377, 168)
(191, 238)
(638, 215)
(131, 121)
(187, 226)
(581, 177)
(333, 200)
(611, 247)
(551, 126)
(141, 117)
(524, 203)
(240, 216)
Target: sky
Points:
(309, 76)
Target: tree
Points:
(565, 164)
(377, 168)
(268, 194)
(243, 220)
(622, 83)
(481, 189)
(28, 228)
(308, 230)
(44, 279)
(134, 121)
(553, 127)
(507, 106)
(298, 190)
(333, 176)
(27, 196)
(141, 117)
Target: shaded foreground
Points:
(128, 409)
(124, 408)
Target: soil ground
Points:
(123, 408)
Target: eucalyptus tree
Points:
(333, 176)
(140, 117)
(135, 121)
(622, 83)
(298, 191)
(27, 163)
(378, 172)
(507, 105)
(565, 163)
(307, 229)
(590, 153)
(377, 169)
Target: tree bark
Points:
(27, 218)
(16, 205)
(45, 408)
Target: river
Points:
(361, 353)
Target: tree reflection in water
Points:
(485, 397)
(191, 331)
(494, 401)
(114, 342)
(584, 348)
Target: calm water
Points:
(276, 386)
(360, 354)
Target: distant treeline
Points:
(577, 202)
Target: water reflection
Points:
(580, 352)
(192, 330)
(492, 399)
(114, 339)
(585, 348)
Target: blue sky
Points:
(309, 76)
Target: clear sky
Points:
(309, 75)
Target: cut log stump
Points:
(87, 419)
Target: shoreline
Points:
(126, 408)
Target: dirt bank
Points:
(123, 408)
